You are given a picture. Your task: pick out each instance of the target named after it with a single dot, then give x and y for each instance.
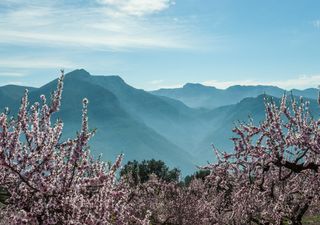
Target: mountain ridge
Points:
(197, 95)
(143, 125)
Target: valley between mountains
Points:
(177, 126)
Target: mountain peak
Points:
(193, 85)
(78, 73)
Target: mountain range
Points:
(177, 126)
(198, 95)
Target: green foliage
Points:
(4, 195)
(311, 220)
(141, 171)
(201, 174)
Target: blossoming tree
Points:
(50, 181)
(271, 178)
(274, 170)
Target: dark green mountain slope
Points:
(117, 131)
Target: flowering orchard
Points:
(272, 177)
(54, 182)
(274, 170)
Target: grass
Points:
(311, 220)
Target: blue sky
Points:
(163, 43)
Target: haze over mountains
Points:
(174, 125)
(198, 95)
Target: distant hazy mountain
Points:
(198, 95)
(143, 125)
(15, 91)
(117, 130)
(224, 119)
(9, 94)
(168, 117)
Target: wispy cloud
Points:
(168, 86)
(160, 85)
(301, 82)
(11, 74)
(40, 35)
(226, 84)
(316, 24)
(156, 82)
(33, 63)
(138, 7)
(99, 24)
(11, 82)
(93, 41)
